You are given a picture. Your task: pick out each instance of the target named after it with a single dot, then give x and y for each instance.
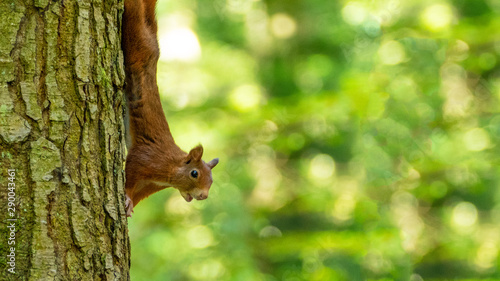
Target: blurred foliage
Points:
(357, 141)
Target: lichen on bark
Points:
(61, 128)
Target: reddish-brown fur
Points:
(154, 161)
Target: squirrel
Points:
(154, 161)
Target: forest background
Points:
(357, 141)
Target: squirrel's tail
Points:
(139, 45)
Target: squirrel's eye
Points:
(194, 173)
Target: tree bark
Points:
(62, 141)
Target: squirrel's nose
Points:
(202, 196)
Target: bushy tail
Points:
(146, 119)
(139, 44)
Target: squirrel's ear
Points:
(195, 154)
(213, 163)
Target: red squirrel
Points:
(154, 161)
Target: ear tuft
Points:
(195, 153)
(213, 163)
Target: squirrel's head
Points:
(194, 176)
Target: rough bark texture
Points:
(61, 129)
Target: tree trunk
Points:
(62, 141)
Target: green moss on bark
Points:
(61, 128)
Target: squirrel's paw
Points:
(129, 206)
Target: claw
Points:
(129, 206)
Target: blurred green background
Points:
(357, 141)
